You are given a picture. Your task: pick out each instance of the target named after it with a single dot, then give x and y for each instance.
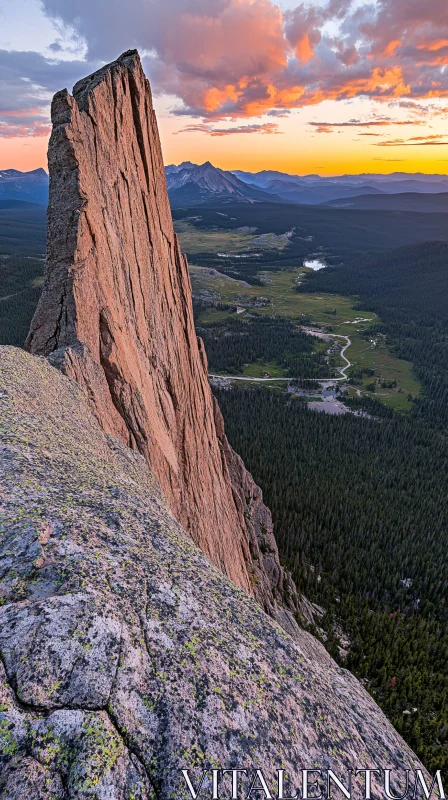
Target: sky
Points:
(324, 86)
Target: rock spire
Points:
(116, 315)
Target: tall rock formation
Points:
(116, 315)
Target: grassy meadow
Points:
(334, 313)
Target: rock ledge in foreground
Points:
(125, 654)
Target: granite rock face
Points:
(125, 655)
(116, 315)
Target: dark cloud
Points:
(421, 109)
(279, 112)
(416, 29)
(28, 82)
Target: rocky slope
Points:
(125, 655)
(116, 315)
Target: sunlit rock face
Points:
(116, 315)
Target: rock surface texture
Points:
(116, 316)
(125, 655)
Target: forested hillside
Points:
(339, 236)
(22, 251)
(361, 518)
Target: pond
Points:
(314, 264)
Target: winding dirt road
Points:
(328, 381)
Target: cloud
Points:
(266, 128)
(423, 138)
(416, 28)
(23, 123)
(236, 59)
(328, 127)
(352, 123)
(209, 53)
(228, 59)
(420, 109)
(411, 144)
(28, 82)
(302, 29)
(391, 160)
(413, 141)
(279, 112)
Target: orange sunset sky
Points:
(314, 87)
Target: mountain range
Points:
(314, 189)
(192, 184)
(198, 184)
(30, 186)
(403, 201)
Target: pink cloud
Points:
(302, 28)
(13, 131)
(234, 59)
(329, 127)
(28, 81)
(266, 128)
(399, 53)
(413, 141)
(23, 122)
(408, 26)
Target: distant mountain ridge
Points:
(27, 186)
(315, 190)
(428, 203)
(19, 205)
(193, 184)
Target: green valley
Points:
(278, 296)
